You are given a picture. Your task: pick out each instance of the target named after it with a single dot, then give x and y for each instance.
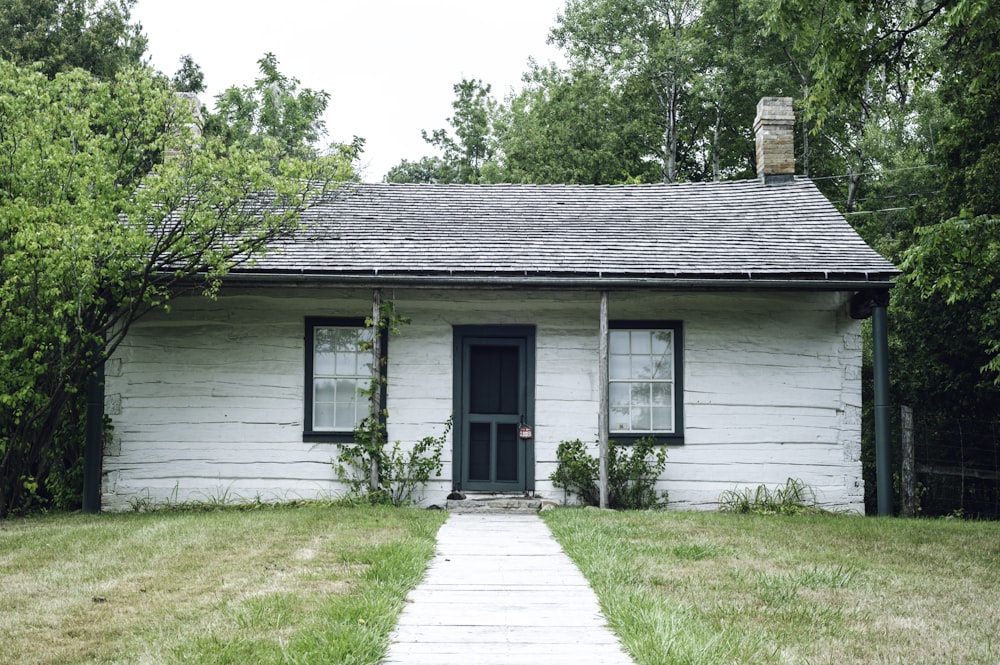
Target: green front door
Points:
(494, 408)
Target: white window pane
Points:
(618, 394)
(662, 394)
(335, 338)
(618, 341)
(641, 367)
(325, 391)
(323, 416)
(663, 367)
(347, 391)
(663, 341)
(336, 349)
(346, 415)
(663, 418)
(642, 372)
(640, 342)
(641, 419)
(639, 394)
(323, 363)
(347, 364)
(619, 419)
(619, 367)
(340, 366)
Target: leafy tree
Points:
(468, 149)
(955, 253)
(96, 229)
(575, 127)
(95, 35)
(425, 170)
(651, 39)
(275, 109)
(687, 74)
(189, 77)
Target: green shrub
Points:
(400, 472)
(793, 498)
(632, 474)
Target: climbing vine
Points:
(372, 468)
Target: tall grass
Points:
(709, 588)
(276, 585)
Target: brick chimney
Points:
(775, 130)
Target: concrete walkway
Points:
(501, 591)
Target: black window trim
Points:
(677, 436)
(311, 323)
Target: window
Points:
(645, 379)
(338, 367)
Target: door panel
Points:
(494, 395)
(480, 437)
(494, 378)
(508, 451)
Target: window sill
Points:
(628, 438)
(328, 437)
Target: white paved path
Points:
(501, 591)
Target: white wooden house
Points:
(731, 341)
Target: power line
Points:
(848, 175)
(912, 195)
(872, 212)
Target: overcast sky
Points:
(389, 65)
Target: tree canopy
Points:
(59, 35)
(111, 201)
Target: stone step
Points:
(494, 503)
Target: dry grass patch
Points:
(710, 588)
(271, 585)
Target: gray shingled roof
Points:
(738, 230)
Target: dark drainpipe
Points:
(874, 304)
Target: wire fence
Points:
(958, 468)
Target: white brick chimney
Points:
(775, 130)
(194, 127)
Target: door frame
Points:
(461, 335)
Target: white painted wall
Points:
(207, 401)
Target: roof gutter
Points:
(880, 281)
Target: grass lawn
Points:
(708, 588)
(313, 584)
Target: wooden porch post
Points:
(602, 424)
(376, 397)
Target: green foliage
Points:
(467, 149)
(189, 77)
(275, 110)
(96, 229)
(577, 472)
(632, 474)
(957, 260)
(794, 498)
(426, 170)
(59, 35)
(577, 128)
(401, 469)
